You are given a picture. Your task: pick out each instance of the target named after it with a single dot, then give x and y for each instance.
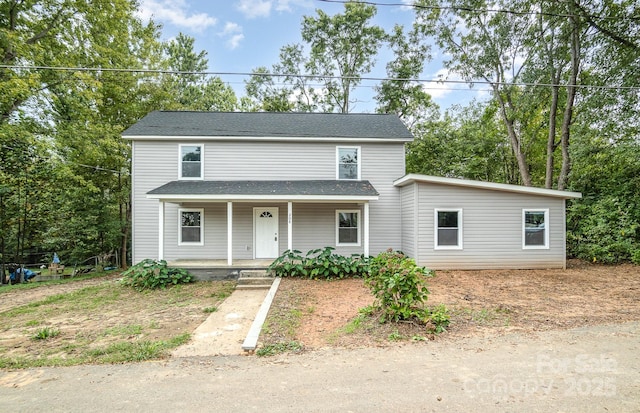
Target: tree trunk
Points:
(568, 112)
(521, 158)
(551, 139)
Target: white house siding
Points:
(153, 164)
(409, 211)
(215, 232)
(156, 163)
(314, 226)
(381, 165)
(492, 229)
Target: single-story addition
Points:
(231, 187)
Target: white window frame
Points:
(359, 154)
(189, 243)
(359, 228)
(191, 178)
(546, 229)
(459, 246)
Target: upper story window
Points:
(448, 229)
(191, 161)
(535, 228)
(348, 162)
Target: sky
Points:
(241, 35)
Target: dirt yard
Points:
(481, 303)
(93, 316)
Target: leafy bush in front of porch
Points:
(154, 274)
(321, 263)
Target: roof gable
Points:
(269, 125)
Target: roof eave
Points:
(271, 198)
(411, 178)
(264, 138)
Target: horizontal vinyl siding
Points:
(215, 233)
(269, 160)
(381, 165)
(314, 226)
(492, 229)
(156, 162)
(407, 194)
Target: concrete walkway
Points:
(223, 331)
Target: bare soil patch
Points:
(96, 313)
(487, 302)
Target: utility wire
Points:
(297, 75)
(482, 11)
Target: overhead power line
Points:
(305, 76)
(413, 5)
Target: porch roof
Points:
(293, 190)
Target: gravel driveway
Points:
(585, 369)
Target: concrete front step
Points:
(253, 274)
(254, 279)
(253, 287)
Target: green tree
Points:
(191, 89)
(468, 142)
(400, 93)
(67, 123)
(342, 48)
(504, 49)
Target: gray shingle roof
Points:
(270, 124)
(274, 188)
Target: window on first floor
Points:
(535, 228)
(448, 229)
(347, 227)
(191, 162)
(348, 162)
(191, 231)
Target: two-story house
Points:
(248, 186)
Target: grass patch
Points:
(46, 333)
(124, 330)
(209, 310)
(137, 351)
(277, 348)
(104, 323)
(484, 316)
(120, 352)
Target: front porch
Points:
(209, 270)
(253, 222)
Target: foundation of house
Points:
(210, 270)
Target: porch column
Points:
(366, 229)
(229, 233)
(289, 226)
(160, 230)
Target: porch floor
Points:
(241, 264)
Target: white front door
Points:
(266, 232)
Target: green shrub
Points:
(154, 274)
(399, 286)
(439, 318)
(320, 263)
